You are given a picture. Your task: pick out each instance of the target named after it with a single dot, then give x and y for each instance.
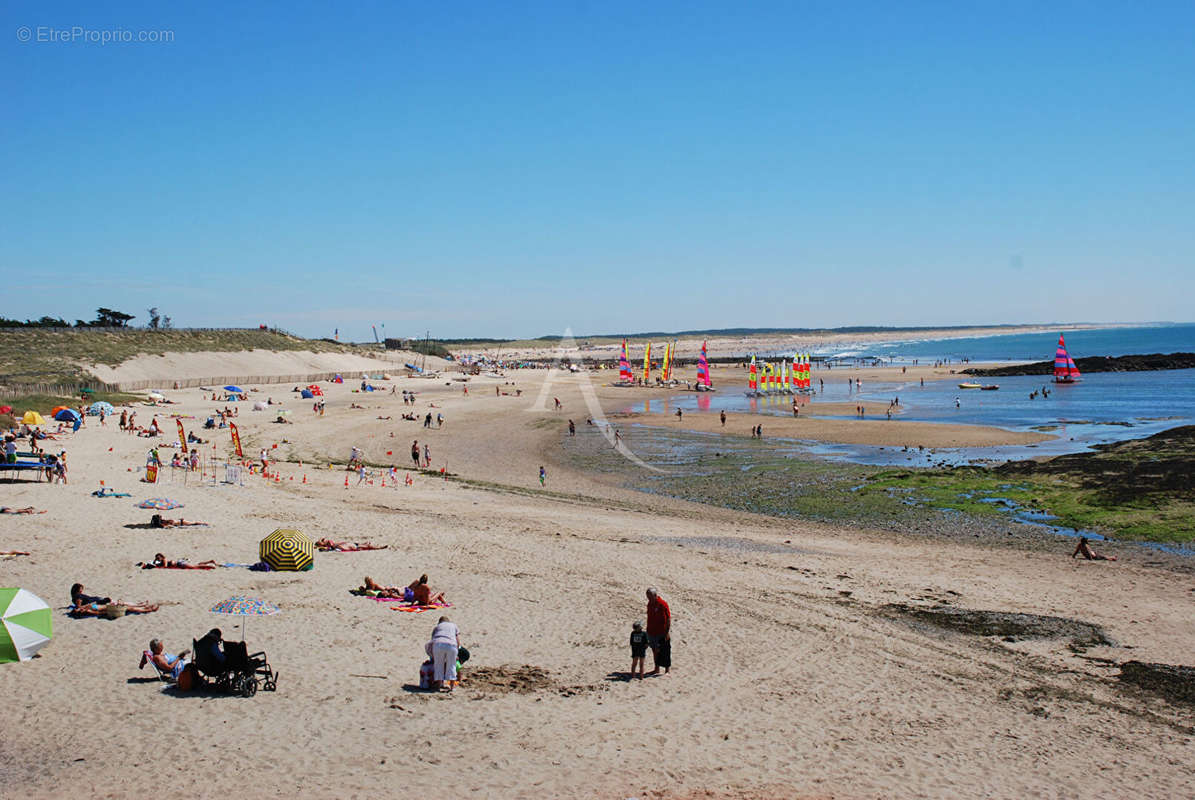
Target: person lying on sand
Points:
(347, 547)
(13, 553)
(158, 521)
(161, 562)
(1084, 549)
(25, 510)
(370, 585)
(168, 663)
(102, 609)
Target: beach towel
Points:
(372, 594)
(102, 493)
(171, 566)
(411, 608)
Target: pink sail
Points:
(703, 368)
(1065, 370)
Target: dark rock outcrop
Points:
(1137, 363)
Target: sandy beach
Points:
(800, 671)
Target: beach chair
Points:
(163, 675)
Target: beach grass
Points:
(39, 355)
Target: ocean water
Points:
(1026, 346)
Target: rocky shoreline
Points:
(1135, 363)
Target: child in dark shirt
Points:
(638, 648)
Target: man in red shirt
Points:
(659, 629)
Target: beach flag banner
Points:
(752, 377)
(647, 363)
(27, 624)
(236, 439)
(1065, 370)
(624, 365)
(182, 436)
(703, 367)
(287, 550)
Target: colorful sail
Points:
(624, 366)
(703, 368)
(666, 372)
(647, 363)
(753, 377)
(1065, 370)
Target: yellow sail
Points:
(647, 363)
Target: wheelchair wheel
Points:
(248, 686)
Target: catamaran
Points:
(625, 377)
(703, 372)
(1065, 370)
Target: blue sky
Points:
(515, 169)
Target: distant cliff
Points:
(1142, 363)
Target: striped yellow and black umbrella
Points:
(288, 550)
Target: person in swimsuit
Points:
(161, 562)
(158, 521)
(347, 547)
(1084, 549)
(165, 662)
(422, 593)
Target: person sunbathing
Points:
(167, 663)
(158, 521)
(1084, 549)
(421, 593)
(103, 609)
(370, 585)
(161, 562)
(13, 553)
(25, 510)
(327, 545)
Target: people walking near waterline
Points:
(722, 416)
(415, 453)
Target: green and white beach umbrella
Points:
(27, 624)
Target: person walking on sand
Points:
(722, 416)
(572, 428)
(543, 475)
(415, 453)
(617, 438)
(427, 455)
(659, 629)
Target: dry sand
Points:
(791, 680)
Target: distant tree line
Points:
(104, 318)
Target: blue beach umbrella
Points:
(67, 415)
(235, 389)
(95, 408)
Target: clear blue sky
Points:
(511, 169)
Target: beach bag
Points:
(462, 655)
(427, 672)
(187, 679)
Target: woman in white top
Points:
(446, 640)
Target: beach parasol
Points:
(54, 411)
(67, 415)
(5, 409)
(159, 504)
(27, 623)
(236, 389)
(245, 607)
(87, 391)
(33, 418)
(287, 550)
(100, 406)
